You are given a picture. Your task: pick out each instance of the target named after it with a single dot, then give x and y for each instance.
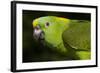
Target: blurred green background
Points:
(34, 51)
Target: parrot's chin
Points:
(39, 40)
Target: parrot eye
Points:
(47, 24)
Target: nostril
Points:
(37, 28)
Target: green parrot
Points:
(70, 38)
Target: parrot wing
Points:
(78, 37)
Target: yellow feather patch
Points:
(35, 23)
(64, 19)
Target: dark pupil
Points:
(47, 24)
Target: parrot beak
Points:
(38, 34)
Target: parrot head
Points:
(49, 29)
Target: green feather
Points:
(78, 36)
(70, 38)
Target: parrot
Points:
(70, 38)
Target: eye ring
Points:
(47, 24)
